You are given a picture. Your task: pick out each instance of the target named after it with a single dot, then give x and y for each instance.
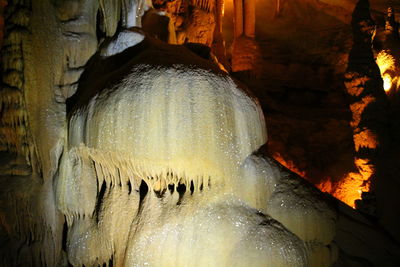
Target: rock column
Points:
(245, 51)
(368, 106)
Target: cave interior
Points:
(199, 133)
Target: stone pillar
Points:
(245, 50)
(249, 22)
(238, 18)
(368, 104)
(278, 7)
(218, 45)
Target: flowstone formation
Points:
(189, 134)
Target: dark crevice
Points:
(100, 31)
(72, 35)
(111, 262)
(11, 28)
(191, 187)
(120, 179)
(160, 194)
(181, 189)
(143, 189)
(67, 84)
(129, 187)
(5, 86)
(100, 197)
(171, 188)
(64, 236)
(70, 20)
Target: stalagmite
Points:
(369, 109)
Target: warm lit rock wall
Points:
(367, 103)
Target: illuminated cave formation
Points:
(194, 128)
(387, 58)
(120, 148)
(367, 104)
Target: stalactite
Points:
(106, 134)
(94, 240)
(13, 116)
(208, 5)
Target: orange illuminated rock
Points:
(245, 54)
(365, 139)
